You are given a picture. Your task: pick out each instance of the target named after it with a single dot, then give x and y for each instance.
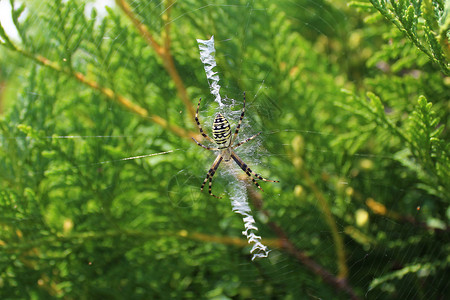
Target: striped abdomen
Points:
(221, 131)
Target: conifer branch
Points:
(337, 238)
(338, 282)
(167, 27)
(427, 38)
(338, 242)
(109, 93)
(162, 51)
(283, 243)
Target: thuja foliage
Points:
(425, 23)
(352, 101)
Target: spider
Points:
(222, 138)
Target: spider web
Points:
(301, 222)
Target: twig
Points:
(286, 244)
(339, 243)
(283, 242)
(109, 93)
(162, 51)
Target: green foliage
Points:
(422, 270)
(425, 23)
(427, 153)
(354, 114)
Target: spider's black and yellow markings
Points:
(222, 138)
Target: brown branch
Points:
(112, 95)
(287, 245)
(162, 51)
(166, 19)
(141, 28)
(297, 147)
(282, 243)
(339, 243)
(109, 93)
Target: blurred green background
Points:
(352, 99)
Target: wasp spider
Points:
(222, 138)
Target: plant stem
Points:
(286, 244)
(109, 93)
(162, 51)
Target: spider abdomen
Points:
(221, 131)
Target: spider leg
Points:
(200, 126)
(203, 146)
(210, 175)
(243, 142)
(249, 171)
(240, 121)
